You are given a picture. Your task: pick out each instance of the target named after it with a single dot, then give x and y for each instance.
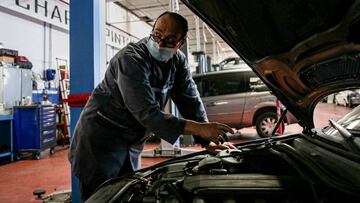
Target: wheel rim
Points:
(267, 125)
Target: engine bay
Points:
(254, 172)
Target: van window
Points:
(255, 83)
(221, 84)
(229, 83)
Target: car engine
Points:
(259, 171)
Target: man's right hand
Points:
(213, 148)
(212, 131)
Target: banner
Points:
(57, 13)
(117, 38)
(54, 12)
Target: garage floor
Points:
(52, 173)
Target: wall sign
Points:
(117, 38)
(57, 13)
(50, 11)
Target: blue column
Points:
(87, 42)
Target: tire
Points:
(265, 123)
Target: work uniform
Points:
(125, 107)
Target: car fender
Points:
(271, 106)
(250, 116)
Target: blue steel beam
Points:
(86, 56)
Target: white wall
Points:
(25, 36)
(60, 49)
(126, 21)
(40, 42)
(123, 20)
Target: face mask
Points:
(159, 53)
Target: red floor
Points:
(52, 173)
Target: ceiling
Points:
(149, 10)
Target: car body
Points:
(303, 51)
(238, 98)
(232, 63)
(348, 98)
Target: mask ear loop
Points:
(181, 42)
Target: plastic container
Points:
(50, 74)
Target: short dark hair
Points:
(179, 19)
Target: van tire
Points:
(265, 123)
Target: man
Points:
(128, 105)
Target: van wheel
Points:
(265, 124)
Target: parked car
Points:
(303, 51)
(232, 63)
(239, 98)
(348, 98)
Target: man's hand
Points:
(213, 131)
(213, 148)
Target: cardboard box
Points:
(7, 59)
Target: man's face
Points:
(167, 33)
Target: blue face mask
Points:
(159, 53)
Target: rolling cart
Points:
(6, 136)
(34, 129)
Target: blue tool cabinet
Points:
(6, 136)
(34, 129)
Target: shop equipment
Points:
(34, 129)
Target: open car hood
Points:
(302, 50)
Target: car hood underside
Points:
(302, 50)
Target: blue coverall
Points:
(125, 107)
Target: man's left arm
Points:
(187, 99)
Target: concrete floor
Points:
(52, 173)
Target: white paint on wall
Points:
(25, 36)
(118, 38)
(126, 21)
(50, 11)
(60, 50)
(32, 30)
(124, 28)
(40, 42)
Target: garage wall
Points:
(59, 50)
(40, 42)
(124, 25)
(126, 21)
